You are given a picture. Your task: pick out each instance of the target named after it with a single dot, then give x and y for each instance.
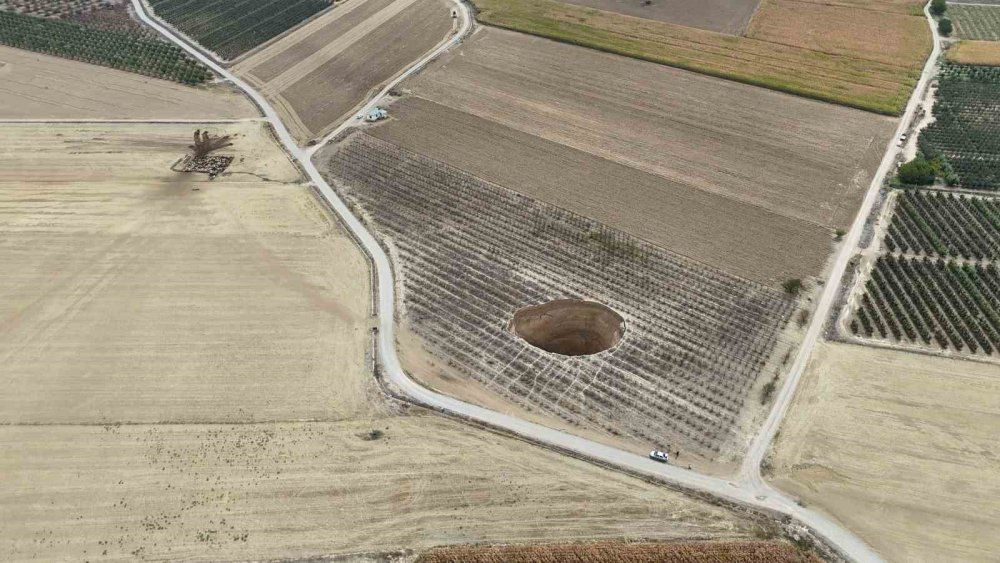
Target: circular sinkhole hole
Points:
(571, 327)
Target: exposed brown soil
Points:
(795, 157)
(623, 552)
(321, 73)
(569, 327)
(724, 16)
(725, 233)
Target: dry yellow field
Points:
(36, 86)
(862, 32)
(185, 377)
(975, 53)
(901, 448)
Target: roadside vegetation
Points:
(230, 28)
(801, 52)
(123, 50)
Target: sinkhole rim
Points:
(569, 327)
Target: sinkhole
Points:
(571, 327)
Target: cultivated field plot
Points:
(976, 22)
(966, 126)
(320, 73)
(101, 14)
(139, 301)
(938, 224)
(975, 53)
(736, 237)
(472, 253)
(602, 552)
(714, 15)
(39, 86)
(301, 490)
(229, 27)
(901, 448)
(847, 68)
(955, 305)
(895, 39)
(124, 50)
(238, 311)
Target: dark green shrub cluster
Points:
(111, 48)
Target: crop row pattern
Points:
(471, 253)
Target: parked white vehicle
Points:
(657, 455)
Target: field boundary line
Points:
(137, 121)
(746, 493)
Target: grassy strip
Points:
(845, 80)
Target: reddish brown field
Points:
(621, 552)
(724, 16)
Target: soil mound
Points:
(570, 327)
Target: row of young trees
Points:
(112, 48)
(471, 253)
(924, 300)
(934, 223)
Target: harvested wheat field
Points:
(725, 16)
(36, 86)
(186, 377)
(862, 31)
(975, 53)
(901, 448)
(323, 71)
(611, 552)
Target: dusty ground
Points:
(736, 237)
(901, 448)
(321, 72)
(38, 86)
(152, 324)
(714, 15)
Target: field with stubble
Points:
(323, 71)
(37, 86)
(186, 374)
(785, 169)
(900, 447)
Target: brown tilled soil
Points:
(622, 552)
(725, 16)
(321, 73)
(725, 233)
(796, 157)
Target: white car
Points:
(657, 455)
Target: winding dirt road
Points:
(750, 488)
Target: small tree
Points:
(938, 7)
(792, 286)
(944, 26)
(917, 172)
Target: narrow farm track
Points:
(750, 488)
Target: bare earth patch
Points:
(714, 15)
(36, 86)
(975, 53)
(901, 448)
